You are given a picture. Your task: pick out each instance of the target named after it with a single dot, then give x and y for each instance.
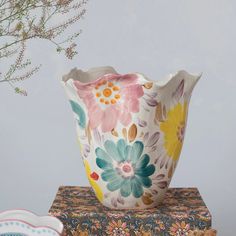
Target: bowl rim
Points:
(30, 214)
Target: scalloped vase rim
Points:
(75, 73)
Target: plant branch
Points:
(23, 20)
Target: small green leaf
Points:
(80, 112)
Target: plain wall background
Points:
(38, 150)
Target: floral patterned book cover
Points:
(82, 214)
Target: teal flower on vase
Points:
(125, 167)
(78, 110)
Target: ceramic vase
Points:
(130, 131)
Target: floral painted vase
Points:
(130, 131)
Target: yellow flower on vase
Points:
(93, 182)
(173, 128)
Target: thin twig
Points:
(21, 21)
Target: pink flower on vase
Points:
(110, 99)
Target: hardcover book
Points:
(182, 211)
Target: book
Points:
(182, 211)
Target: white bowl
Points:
(23, 222)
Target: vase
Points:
(130, 132)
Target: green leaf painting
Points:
(79, 112)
